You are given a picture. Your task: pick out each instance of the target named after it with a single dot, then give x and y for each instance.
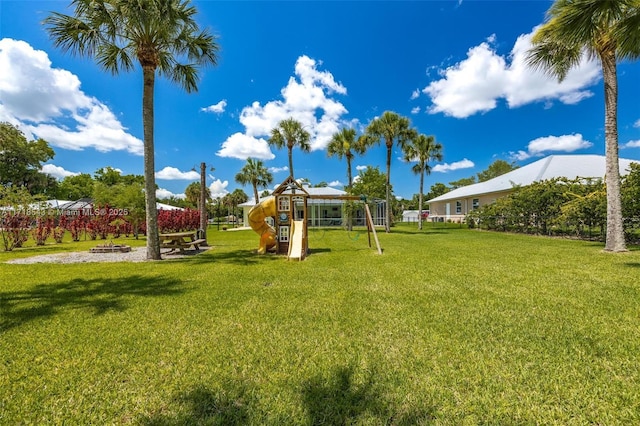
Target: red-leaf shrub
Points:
(42, 230)
(76, 225)
(178, 220)
(14, 229)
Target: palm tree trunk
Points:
(153, 239)
(387, 225)
(349, 224)
(255, 193)
(615, 229)
(420, 200)
(203, 202)
(291, 162)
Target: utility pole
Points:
(203, 203)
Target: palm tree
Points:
(255, 173)
(344, 144)
(606, 30)
(290, 133)
(390, 127)
(422, 149)
(193, 193)
(237, 197)
(160, 35)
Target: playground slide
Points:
(295, 242)
(257, 216)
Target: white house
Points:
(454, 205)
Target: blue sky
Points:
(455, 68)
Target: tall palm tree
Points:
(162, 36)
(422, 149)
(344, 144)
(389, 127)
(290, 133)
(255, 173)
(608, 30)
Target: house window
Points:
(283, 204)
(283, 234)
(458, 207)
(475, 204)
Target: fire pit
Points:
(110, 248)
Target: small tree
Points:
(21, 160)
(15, 213)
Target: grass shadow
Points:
(203, 406)
(317, 250)
(233, 257)
(346, 398)
(100, 294)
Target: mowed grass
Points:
(448, 326)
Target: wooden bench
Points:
(196, 243)
(181, 241)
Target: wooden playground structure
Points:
(289, 207)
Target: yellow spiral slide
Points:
(257, 216)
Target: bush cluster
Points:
(562, 207)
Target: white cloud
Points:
(165, 193)
(415, 94)
(519, 155)
(305, 98)
(637, 123)
(55, 109)
(358, 168)
(278, 169)
(335, 183)
(444, 168)
(219, 188)
(415, 110)
(216, 108)
(57, 171)
(632, 144)
(242, 146)
(172, 173)
(475, 84)
(564, 143)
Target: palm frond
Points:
(627, 32)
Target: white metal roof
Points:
(326, 190)
(553, 166)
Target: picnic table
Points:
(181, 241)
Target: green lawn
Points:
(448, 326)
